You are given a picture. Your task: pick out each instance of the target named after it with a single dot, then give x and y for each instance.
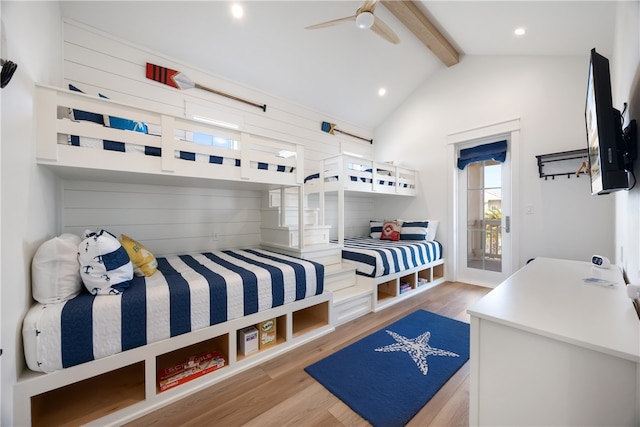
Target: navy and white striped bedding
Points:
(375, 257)
(354, 178)
(334, 178)
(188, 292)
(157, 152)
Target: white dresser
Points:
(549, 349)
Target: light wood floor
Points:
(280, 393)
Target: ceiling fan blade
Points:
(330, 23)
(368, 6)
(384, 31)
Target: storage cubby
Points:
(438, 272)
(89, 399)
(411, 280)
(281, 329)
(281, 337)
(310, 318)
(173, 358)
(387, 290)
(425, 275)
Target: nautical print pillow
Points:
(391, 230)
(105, 266)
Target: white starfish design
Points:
(418, 348)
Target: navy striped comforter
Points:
(183, 155)
(188, 292)
(375, 257)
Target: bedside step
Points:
(350, 303)
(339, 276)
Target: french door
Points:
(483, 218)
(484, 223)
(480, 200)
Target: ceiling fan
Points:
(364, 18)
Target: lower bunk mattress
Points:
(375, 257)
(186, 293)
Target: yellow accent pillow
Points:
(144, 262)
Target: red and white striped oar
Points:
(179, 80)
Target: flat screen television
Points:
(611, 149)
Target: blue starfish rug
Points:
(388, 376)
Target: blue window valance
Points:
(494, 151)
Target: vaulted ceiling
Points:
(338, 70)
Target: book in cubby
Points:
(193, 367)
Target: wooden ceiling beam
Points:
(412, 17)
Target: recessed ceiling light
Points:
(237, 11)
(520, 31)
(382, 91)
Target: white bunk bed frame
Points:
(53, 128)
(368, 174)
(122, 387)
(370, 293)
(335, 176)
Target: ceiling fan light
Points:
(365, 20)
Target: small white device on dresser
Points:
(600, 261)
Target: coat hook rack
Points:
(563, 163)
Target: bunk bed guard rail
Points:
(355, 173)
(170, 145)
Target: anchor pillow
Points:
(105, 266)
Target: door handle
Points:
(507, 224)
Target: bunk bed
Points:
(345, 173)
(186, 293)
(394, 270)
(72, 349)
(79, 131)
(354, 173)
(375, 257)
(386, 272)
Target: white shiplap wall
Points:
(178, 219)
(166, 219)
(358, 210)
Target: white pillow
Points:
(433, 228)
(55, 271)
(105, 266)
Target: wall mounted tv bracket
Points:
(630, 138)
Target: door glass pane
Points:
(484, 216)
